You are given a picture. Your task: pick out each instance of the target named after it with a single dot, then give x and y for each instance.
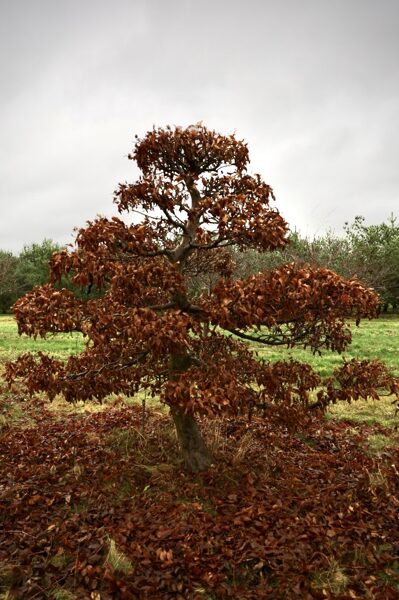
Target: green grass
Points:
(372, 339)
(117, 559)
(367, 411)
(60, 345)
(378, 443)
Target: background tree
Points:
(369, 252)
(154, 329)
(8, 280)
(328, 250)
(374, 256)
(33, 264)
(19, 274)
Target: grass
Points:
(332, 580)
(59, 345)
(117, 560)
(60, 593)
(372, 339)
(9, 577)
(379, 442)
(367, 411)
(124, 440)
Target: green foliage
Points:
(328, 250)
(375, 255)
(8, 280)
(19, 274)
(32, 267)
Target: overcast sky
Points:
(311, 85)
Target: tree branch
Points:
(268, 340)
(176, 222)
(115, 365)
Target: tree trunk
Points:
(195, 453)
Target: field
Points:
(94, 503)
(372, 339)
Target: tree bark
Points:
(195, 453)
(193, 448)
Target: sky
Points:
(311, 85)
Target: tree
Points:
(187, 343)
(374, 256)
(19, 274)
(33, 264)
(8, 280)
(328, 250)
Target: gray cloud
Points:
(312, 86)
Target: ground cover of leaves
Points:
(92, 507)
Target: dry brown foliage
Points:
(152, 328)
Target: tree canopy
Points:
(155, 327)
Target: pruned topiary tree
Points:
(156, 327)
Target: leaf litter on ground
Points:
(282, 513)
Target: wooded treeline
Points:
(20, 273)
(371, 252)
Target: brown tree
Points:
(153, 329)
